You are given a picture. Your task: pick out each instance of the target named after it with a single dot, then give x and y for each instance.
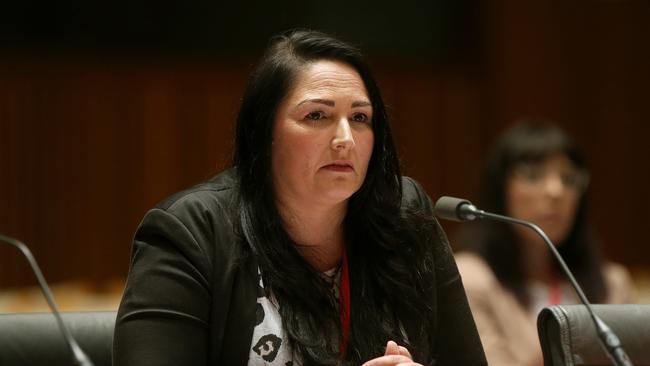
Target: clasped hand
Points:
(395, 355)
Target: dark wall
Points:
(584, 63)
(87, 147)
(444, 30)
(93, 134)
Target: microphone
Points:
(457, 209)
(80, 356)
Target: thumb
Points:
(391, 349)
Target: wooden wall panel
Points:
(88, 144)
(585, 64)
(88, 147)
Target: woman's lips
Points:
(339, 167)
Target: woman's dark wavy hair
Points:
(532, 141)
(375, 225)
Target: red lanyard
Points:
(344, 304)
(555, 291)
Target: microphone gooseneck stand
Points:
(80, 356)
(462, 210)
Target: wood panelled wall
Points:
(586, 64)
(88, 144)
(88, 147)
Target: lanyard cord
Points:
(555, 291)
(344, 304)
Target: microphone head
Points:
(449, 208)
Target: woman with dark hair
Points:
(534, 173)
(311, 250)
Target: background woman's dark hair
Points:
(374, 226)
(531, 141)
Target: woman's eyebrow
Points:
(327, 102)
(361, 103)
(331, 103)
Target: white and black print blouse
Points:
(269, 345)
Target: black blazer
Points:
(191, 291)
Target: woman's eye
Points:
(360, 117)
(315, 116)
(529, 172)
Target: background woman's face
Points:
(546, 193)
(322, 136)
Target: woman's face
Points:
(545, 193)
(322, 136)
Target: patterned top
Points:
(270, 345)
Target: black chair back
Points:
(568, 336)
(35, 339)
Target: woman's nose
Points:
(343, 139)
(553, 185)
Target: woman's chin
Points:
(338, 193)
(336, 197)
(556, 233)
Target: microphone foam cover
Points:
(447, 208)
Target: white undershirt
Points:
(269, 345)
(540, 296)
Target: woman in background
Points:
(534, 173)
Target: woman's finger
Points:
(405, 352)
(390, 360)
(392, 349)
